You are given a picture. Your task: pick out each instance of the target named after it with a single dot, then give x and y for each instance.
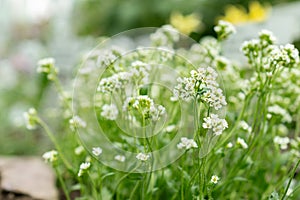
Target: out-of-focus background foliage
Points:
(65, 30)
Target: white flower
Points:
(215, 123)
(50, 156)
(214, 179)
(76, 122)
(186, 144)
(114, 82)
(110, 112)
(276, 109)
(30, 119)
(142, 157)
(47, 65)
(282, 141)
(83, 168)
(245, 126)
(170, 128)
(145, 106)
(224, 29)
(96, 151)
(229, 145)
(201, 83)
(266, 37)
(242, 142)
(120, 158)
(79, 150)
(165, 36)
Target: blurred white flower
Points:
(110, 112)
(120, 158)
(30, 119)
(76, 122)
(282, 142)
(50, 156)
(97, 151)
(186, 144)
(79, 150)
(214, 179)
(83, 168)
(142, 157)
(242, 143)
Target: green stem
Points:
(290, 181)
(56, 144)
(62, 183)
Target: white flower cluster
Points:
(50, 156)
(142, 156)
(76, 122)
(201, 83)
(215, 123)
(242, 143)
(282, 142)
(206, 52)
(224, 29)
(245, 126)
(97, 151)
(165, 36)
(276, 109)
(114, 82)
(139, 72)
(30, 118)
(109, 56)
(83, 168)
(272, 55)
(110, 112)
(145, 106)
(186, 143)
(266, 37)
(120, 158)
(79, 150)
(286, 56)
(47, 66)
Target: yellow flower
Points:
(238, 15)
(185, 24)
(235, 15)
(257, 12)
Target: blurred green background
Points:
(65, 30)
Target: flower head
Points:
(110, 112)
(83, 168)
(215, 123)
(47, 66)
(31, 119)
(214, 179)
(282, 142)
(142, 156)
(50, 156)
(79, 150)
(200, 84)
(224, 29)
(76, 122)
(186, 143)
(242, 143)
(185, 24)
(145, 106)
(97, 151)
(120, 158)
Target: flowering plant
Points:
(149, 121)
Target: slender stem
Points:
(56, 144)
(62, 183)
(291, 178)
